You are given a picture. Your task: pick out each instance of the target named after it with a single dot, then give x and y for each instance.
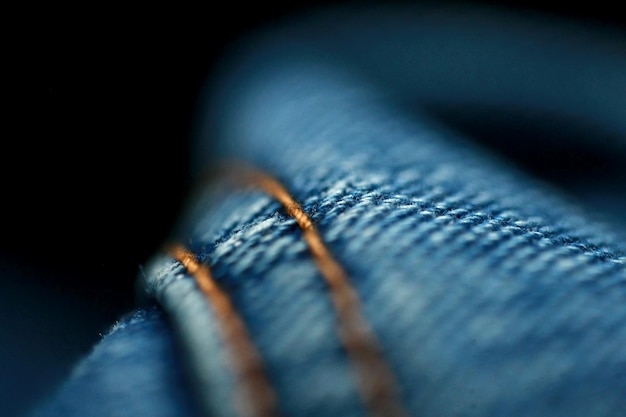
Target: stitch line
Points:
(257, 395)
(376, 382)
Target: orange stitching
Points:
(259, 397)
(377, 384)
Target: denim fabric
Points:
(477, 61)
(135, 371)
(490, 292)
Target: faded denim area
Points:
(492, 293)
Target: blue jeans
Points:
(488, 293)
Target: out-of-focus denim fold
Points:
(452, 57)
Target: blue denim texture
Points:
(491, 293)
(134, 371)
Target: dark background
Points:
(95, 163)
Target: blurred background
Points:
(95, 161)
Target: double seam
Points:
(376, 383)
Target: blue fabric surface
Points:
(135, 371)
(491, 292)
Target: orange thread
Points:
(259, 399)
(377, 383)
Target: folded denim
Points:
(490, 293)
(136, 370)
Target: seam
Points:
(377, 384)
(257, 397)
